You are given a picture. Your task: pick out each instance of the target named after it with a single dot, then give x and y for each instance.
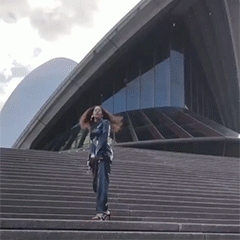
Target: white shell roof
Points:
(29, 97)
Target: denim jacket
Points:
(99, 135)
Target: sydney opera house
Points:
(169, 67)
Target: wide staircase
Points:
(152, 195)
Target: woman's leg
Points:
(103, 183)
(94, 168)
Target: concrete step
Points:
(175, 158)
(160, 219)
(125, 198)
(82, 174)
(124, 178)
(223, 192)
(116, 225)
(40, 205)
(135, 235)
(108, 230)
(167, 212)
(125, 181)
(120, 172)
(114, 203)
(150, 191)
(124, 175)
(132, 187)
(130, 165)
(84, 191)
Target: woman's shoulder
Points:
(105, 121)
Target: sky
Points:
(35, 31)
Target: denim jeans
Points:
(102, 185)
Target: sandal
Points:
(98, 216)
(102, 216)
(106, 216)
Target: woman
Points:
(100, 123)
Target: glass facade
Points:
(120, 101)
(147, 89)
(177, 79)
(133, 95)
(161, 86)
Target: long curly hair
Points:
(86, 120)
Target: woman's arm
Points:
(95, 132)
(102, 139)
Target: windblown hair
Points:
(86, 120)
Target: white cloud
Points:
(13, 10)
(36, 52)
(17, 42)
(10, 79)
(45, 3)
(37, 31)
(19, 70)
(50, 18)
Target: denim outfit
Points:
(101, 149)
